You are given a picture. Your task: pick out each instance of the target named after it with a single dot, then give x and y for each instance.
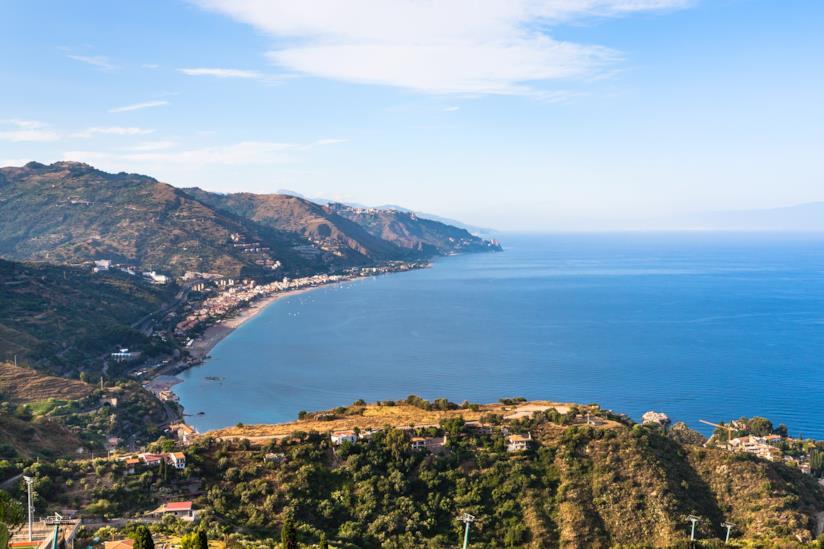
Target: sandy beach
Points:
(201, 346)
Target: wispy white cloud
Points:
(239, 154)
(150, 66)
(98, 61)
(138, 106)
(222, 73)
(456, 46)
(453, 108)
(28, 131)
(111, 130)
(160, 156)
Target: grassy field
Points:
(376, 416)
(24, 385)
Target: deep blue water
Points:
(711, 326)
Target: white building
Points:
(518, 443)
(156, 278)
(339, 437)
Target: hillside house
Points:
(176, 460)
(151, 460)
(131, 465)
(180, 509)
(124, 355)
(757, 446)
(656, 418)
(339, 437)
(519, 443)
(431, 444)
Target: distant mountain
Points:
(408, 230)
(802, 217)
(335, 235)
(478, 231)
(61, 316)
(71, 213)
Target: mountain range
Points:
(71, 213)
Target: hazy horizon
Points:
(525, 115)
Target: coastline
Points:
(214, 334)
(164, 380)
(200, 348)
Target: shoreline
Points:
(166, 379)
(214, 334)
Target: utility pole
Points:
(29, 482)
(693, 519)
(467, 519)
(729, 526)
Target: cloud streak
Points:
(222, 73)
(28, 131)
(139, 106)
(98, 61)
(111, 130)
(454, 46)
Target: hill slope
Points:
(71, 213)
(330, 232)
(63, 315)
(603, 485)
(407, 230)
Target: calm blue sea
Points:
(712, 326)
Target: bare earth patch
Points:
(24, 385)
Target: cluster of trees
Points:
(377, 492)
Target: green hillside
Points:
(336, 235)
(60, 317)
(71, 213)
(608, 483)
(407, 230)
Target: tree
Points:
(760, 426)
(11, 516)
(143, 538)
(323, 544)
(288, 535)
(194, 540)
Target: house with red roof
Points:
(180, 509)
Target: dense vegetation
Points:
(344, 240)
(84, 419)
(605, 484)
(70, 213)
(60, 318)
(407, 230)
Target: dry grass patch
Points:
(24, 385)
(376, 416)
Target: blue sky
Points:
(516, 114)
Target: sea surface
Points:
(699, 326)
